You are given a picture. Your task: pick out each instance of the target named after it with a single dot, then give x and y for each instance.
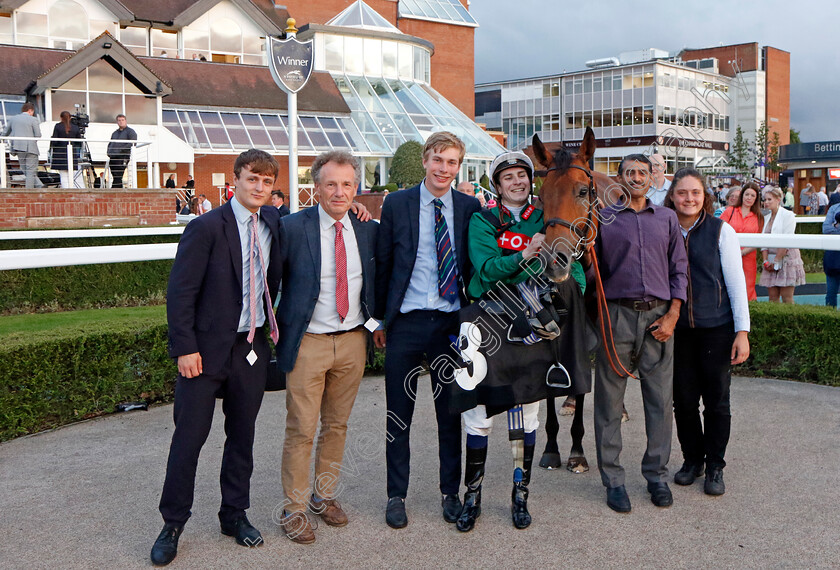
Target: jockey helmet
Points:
(506, 160)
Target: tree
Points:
(794, 137)
(738, 156)
(773, 156)
(407, 165)
(760, 148)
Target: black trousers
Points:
(117, 166)
(702, 370)
(411, 338)
(241, 387)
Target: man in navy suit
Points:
(422, 264)
(217, 304)
(327, 296)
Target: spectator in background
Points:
(25, 125)
(469, 189)
(831, 259)
(813, 202)
(746, 218)
(804, 199)
(659, 186)
(789, 200)
(732, 197)
(822, 202)
(119, 153)
(190, 207)
(783, 269)
(278, 199)
(834, 198)
(65, 129)
(204, 204)
(189, 187)
(170, 182)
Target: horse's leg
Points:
(577, 461)
(551, 456)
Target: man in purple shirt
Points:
(643, 266)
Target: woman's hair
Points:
(775, 191)
(679, 175)
(65, 119)
(756, 207)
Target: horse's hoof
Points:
(577, 465)
(551, 461)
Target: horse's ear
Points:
(587, 147)
(540, 152)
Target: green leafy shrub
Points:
(49, 289)
(794, 342)
(407, 165)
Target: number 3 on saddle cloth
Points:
(500, 369)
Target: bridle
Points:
(581, 232)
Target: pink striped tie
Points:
(256, 250)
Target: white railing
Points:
(71, 168)
(56, 257)
(104, 232)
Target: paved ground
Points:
(86, 497)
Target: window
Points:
(164, 43)
(225, 36)
(134, 39)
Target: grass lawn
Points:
(815, 277)
(70, 323)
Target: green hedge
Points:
(83, 286)
(63, 367)
(794, 342)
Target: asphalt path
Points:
(85, 496)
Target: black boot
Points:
(473, 476)
(519, 496)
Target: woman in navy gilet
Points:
(711, 334)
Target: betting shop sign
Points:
(290, 62)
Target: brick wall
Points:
(322, 11)
(747, 56)
(777, 65)
(63, 208)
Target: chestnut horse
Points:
(572, 195)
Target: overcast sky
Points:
(526, 38)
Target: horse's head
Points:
(569, 199)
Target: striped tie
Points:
(447, 285)
(257, 254)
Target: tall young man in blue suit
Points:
(421, 267)
(327, 297)
(217, 304)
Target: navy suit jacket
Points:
(396, 250)
(300, 247)
(204, 297)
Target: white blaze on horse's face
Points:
(469, 343)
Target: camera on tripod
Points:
(80, 118)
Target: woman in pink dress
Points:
(783, 268)
(746, 218)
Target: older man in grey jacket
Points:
(26, 125)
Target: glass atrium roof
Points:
(384, 113)
(450, 11)
(360, 15)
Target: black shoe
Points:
(166, 546)
(451, 508)
(660, 494)
(243, 531)
(471, 510)
(688, 473)
(714, 482)
(618, 500)
(519, 506)
(395, 513)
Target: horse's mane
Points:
(563, 159)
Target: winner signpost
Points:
(290, 62)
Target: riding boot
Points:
(519, 496)
(473, 476)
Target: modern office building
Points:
(685, 106)
(191, 76)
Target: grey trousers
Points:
(654, 363)
(29, 165)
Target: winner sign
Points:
(290, 62)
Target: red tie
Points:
(342, 304)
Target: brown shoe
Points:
(298, 527)
(330, 511)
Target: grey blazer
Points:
(23, 125)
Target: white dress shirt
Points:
(423, 292)
(325, 316)
(243, 224)
(729, 249)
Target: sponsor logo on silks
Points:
(526, 213)
(513, 241)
